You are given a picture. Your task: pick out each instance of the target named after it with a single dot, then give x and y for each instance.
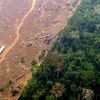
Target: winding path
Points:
(7, 50)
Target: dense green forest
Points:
(71, 70)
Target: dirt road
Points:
(7, 50)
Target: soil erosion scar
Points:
(17, 32)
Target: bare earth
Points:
(23, 26)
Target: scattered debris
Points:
(47, 38)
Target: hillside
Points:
(71, 69)
(28, 29)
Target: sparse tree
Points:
(87, 94)
(58, 89)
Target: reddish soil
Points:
(46, 17)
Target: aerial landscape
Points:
(49, 49)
